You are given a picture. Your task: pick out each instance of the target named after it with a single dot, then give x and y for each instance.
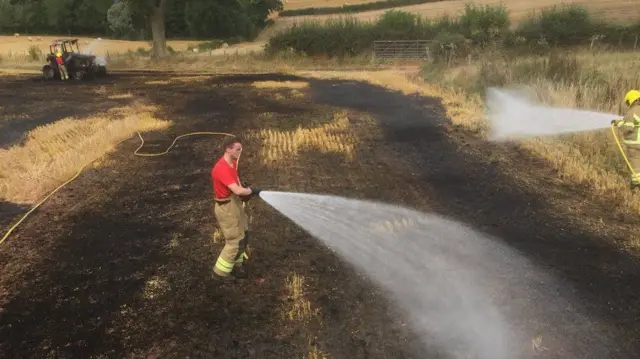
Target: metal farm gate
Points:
(401, 49)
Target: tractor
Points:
(79, 66)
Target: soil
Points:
(118, 262)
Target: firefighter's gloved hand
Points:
(255, 191)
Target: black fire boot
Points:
(223, 279)
(239, 272)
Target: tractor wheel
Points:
(78, 75)
(47, 72)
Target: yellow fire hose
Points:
(624, 155)
(88, 163)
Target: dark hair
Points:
(229, 141)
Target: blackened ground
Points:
(118, 262)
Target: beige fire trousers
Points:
(234, 225)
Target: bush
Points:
(395, 24)
(558, 26)
(336, 38)
(484, 25)
(348, 36)
(478, 28)
(448, 47)
(35, 54)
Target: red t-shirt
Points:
(222, 176)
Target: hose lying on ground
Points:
(624, 155)
(88, 163)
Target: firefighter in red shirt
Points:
(229, 211)
(61, 66)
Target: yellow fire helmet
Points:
(631, 97)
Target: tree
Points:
(7, 16)
(230, 20)
(120, 19)
(153, 11)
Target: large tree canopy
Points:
(139, 19)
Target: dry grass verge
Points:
(584, 81)
(230, 63)
(53, 153)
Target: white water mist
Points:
(513, 117)
(100, 60)
(466, 294)
(428, 264)
(89, 50)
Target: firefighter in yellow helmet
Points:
(61, 67)
(630, 128)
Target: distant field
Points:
(303, 4)
(21, 44)
(620, 10)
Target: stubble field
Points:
(118, 262)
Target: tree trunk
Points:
(159, 48)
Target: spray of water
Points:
(513, 117)
(100, 60)
(466, 294)
(89, 50)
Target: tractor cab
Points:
(64, 46)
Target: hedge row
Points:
(477, 28)
(345, 9)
